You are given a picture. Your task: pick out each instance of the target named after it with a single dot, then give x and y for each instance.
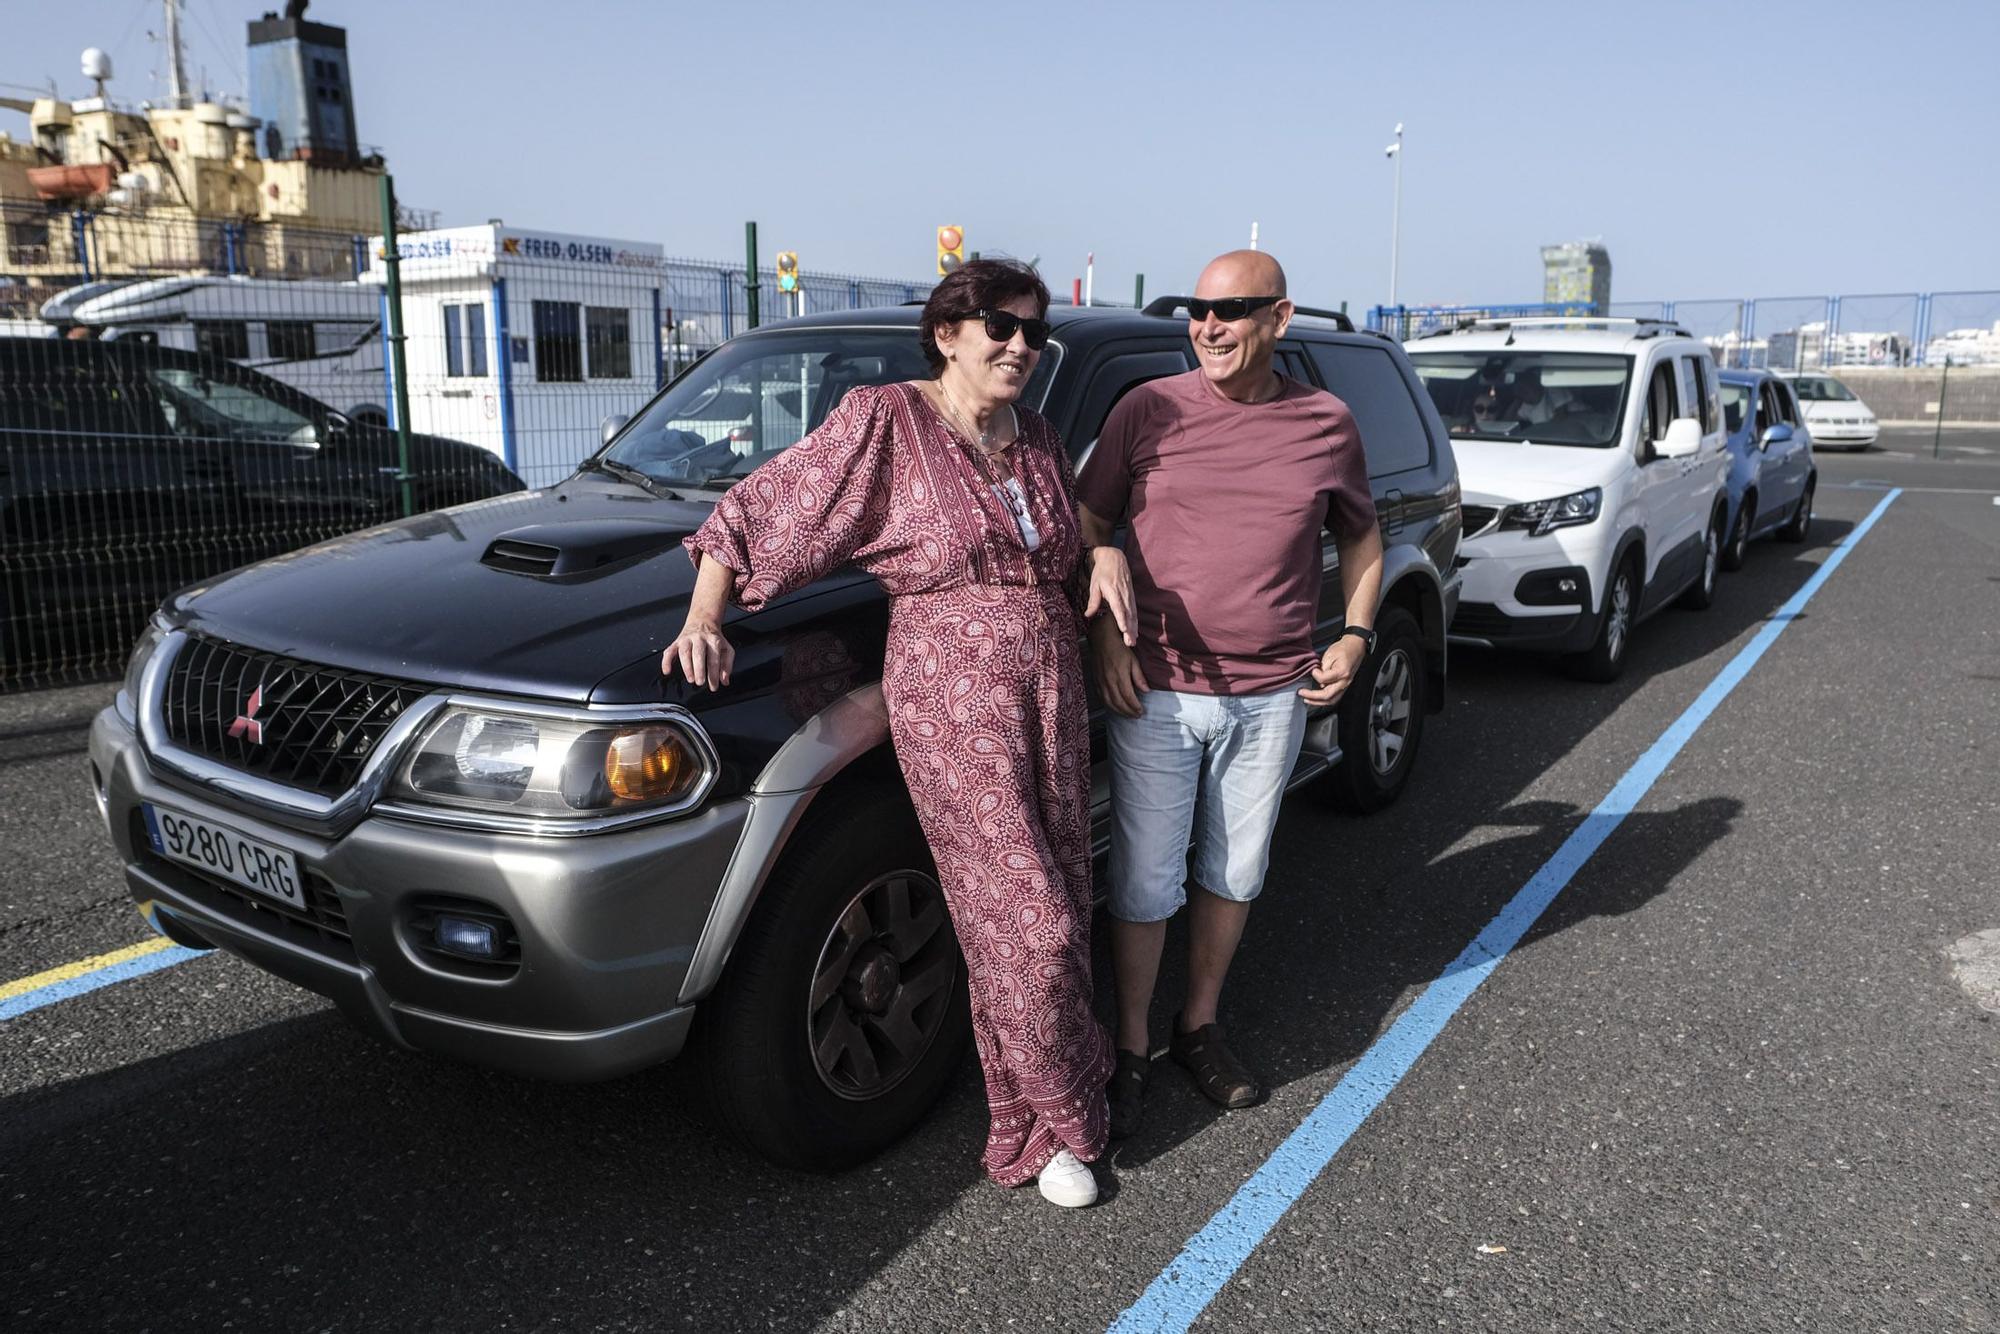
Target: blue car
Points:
(1771, 468)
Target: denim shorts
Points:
(1212, 767)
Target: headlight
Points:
(127, 701)
(1543, 516)
(556, 766)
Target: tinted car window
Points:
(1112, 379)
(59, 396)
(1735, 404)
(1368, 380)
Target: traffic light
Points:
(788, 270)
(951, 248)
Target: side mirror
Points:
(338, 424)
(611, 426)
(1683, 439)
(1776, 434)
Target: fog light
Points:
(466, 936)
(1566, 585)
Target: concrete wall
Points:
(1899, 394)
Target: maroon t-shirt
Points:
(1226, 502)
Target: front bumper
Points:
(607, 923)
(1521, 591)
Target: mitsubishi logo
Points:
(246, 724)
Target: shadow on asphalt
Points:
(303, 1168)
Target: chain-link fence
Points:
(180, 398)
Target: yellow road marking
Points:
(8, 990)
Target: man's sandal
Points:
(1126, 1093)
(1217, 1073)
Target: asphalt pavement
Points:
(1727, 1081)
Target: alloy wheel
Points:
(1389, 712)
(1621, 615)
(882, 986)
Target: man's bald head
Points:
(1236, 354)
(1241, 273)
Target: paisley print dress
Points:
(984, 686)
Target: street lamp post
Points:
(1395, 151)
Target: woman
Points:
(960, 502)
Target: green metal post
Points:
(393, 270)
(750, 268)
(1138, 291)
(1938, 435)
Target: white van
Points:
(1591, 456)
(321, 338)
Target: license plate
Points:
(221, 851)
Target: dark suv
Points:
(433, 771)
(128, 470)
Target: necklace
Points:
(986, 438)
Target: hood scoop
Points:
(583, 547)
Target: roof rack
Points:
(1643, 326)
(1167, 305)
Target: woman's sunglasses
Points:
(1001, 325)
(1228, 307)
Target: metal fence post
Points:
(229, 248)
(503, 341)
(392, 270)
(1138, 291)
(750, 275)
(1944, 378)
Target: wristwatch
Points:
(1367, 636)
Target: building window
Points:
(558, 342)
(475, 338)
(290, 339)
(465, 339)
(454, 341)
(222, 338)
(610, 330)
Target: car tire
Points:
(1700, 595)
(1382, 717)
(1604, 660)
(842, 1015)
(1737, 548)
(1799, 526)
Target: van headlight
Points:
(1541, 517)
(556, 766)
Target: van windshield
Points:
(1549, 398)
(1822, 389)
(755, 396)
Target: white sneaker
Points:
(1067, 1182)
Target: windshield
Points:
(1551, 398)
(1822, 389)
(756, 396)
(1735, 405)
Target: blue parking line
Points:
(1183, 1290)
(87, 982)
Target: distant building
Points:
(1809, 345)
(1577, 273)
(1965, 347)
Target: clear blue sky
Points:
(1747, 148)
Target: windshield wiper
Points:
(638, 477)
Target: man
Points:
(1225, 476)
(1533, 403)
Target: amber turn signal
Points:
(650, 764)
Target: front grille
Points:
(292, 722)
(1478, 518)
(1480, 618)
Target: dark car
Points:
(434, 772)
(128, 470)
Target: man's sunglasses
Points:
(1002, 324)
(1228, 307)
